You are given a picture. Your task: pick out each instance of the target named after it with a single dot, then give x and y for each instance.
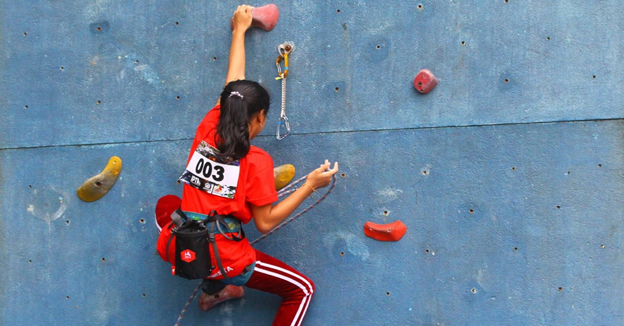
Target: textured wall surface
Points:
(508, 175)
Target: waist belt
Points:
(232, 224)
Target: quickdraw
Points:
(284, 50)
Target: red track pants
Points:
(274, 276)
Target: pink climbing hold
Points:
(264, 17)
(385, 232)
(425, 81)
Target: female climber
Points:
(247, 191)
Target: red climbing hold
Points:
(385, 232)
(264, 17)
(164, 207)
(425, 81)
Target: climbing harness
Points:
(284, 50)
(283, 192)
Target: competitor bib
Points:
(212, 173)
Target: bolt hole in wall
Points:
(99, 27)
(25, 106)
(342, 175)
(99, 102)
(103, 259)
(420, 6)
(142, 221)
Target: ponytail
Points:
(241, 100)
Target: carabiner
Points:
(280, 74)
(283, 121)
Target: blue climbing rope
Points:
(283, 192)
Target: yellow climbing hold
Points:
(97, 186)
(283, 175)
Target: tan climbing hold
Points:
(283, 175)
(97, 186)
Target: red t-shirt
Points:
(256, 186)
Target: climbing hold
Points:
(164, 207)
(425, 81)
(385, 232)
(97, 186)
(264, 17)
(283, 175)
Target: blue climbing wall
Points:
(508, 175)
